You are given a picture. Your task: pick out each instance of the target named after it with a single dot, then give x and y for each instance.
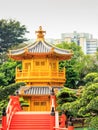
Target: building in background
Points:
(88, 44)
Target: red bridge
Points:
(14, 118)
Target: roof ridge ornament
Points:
(40, 35)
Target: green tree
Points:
(87, 64)
(90, 77)
(65, 95)
(7, 72)
(94, 67)
(78, 66)
(11, 33)
(72, 72)
(86, 105)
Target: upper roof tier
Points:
(40, 48)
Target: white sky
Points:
(56, 16)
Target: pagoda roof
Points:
(39, 90)
(40, 47)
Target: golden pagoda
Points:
(40, 71)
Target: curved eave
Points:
(66, 56)
(25, 55)
(30, 55)
(40, 49)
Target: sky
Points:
(55, 16)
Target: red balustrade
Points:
(13, 106)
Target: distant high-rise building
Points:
(91, 46)
(88, 44)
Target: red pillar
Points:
(52, 119)
(63, 120)
(53, 99)
(52, 114)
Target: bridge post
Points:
(52, 119)
(63, 120)
(53, 99)
(52, 114)
(4, 119)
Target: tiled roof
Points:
(39, 47)
(38, 90)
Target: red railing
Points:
(57, 124)
(12, 108)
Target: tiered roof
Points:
(40, 48)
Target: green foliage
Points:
(89, 101)
(7, 72)
(90, 77)
(94, 122)
(86, 105)
(72, 73)
(79, 65)
(9, 90)
(3, 80)
(72, 76)
(71, 108)
(93, 105)
(3, 57)
(11, 33)
(65, 95)
(23, 102)
(84, 66)
(95, 80)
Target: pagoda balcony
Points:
(42, 75)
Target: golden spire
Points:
(40, 35)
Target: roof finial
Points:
(40, 32)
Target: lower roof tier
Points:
(38, 90)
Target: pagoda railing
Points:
(60, 74)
